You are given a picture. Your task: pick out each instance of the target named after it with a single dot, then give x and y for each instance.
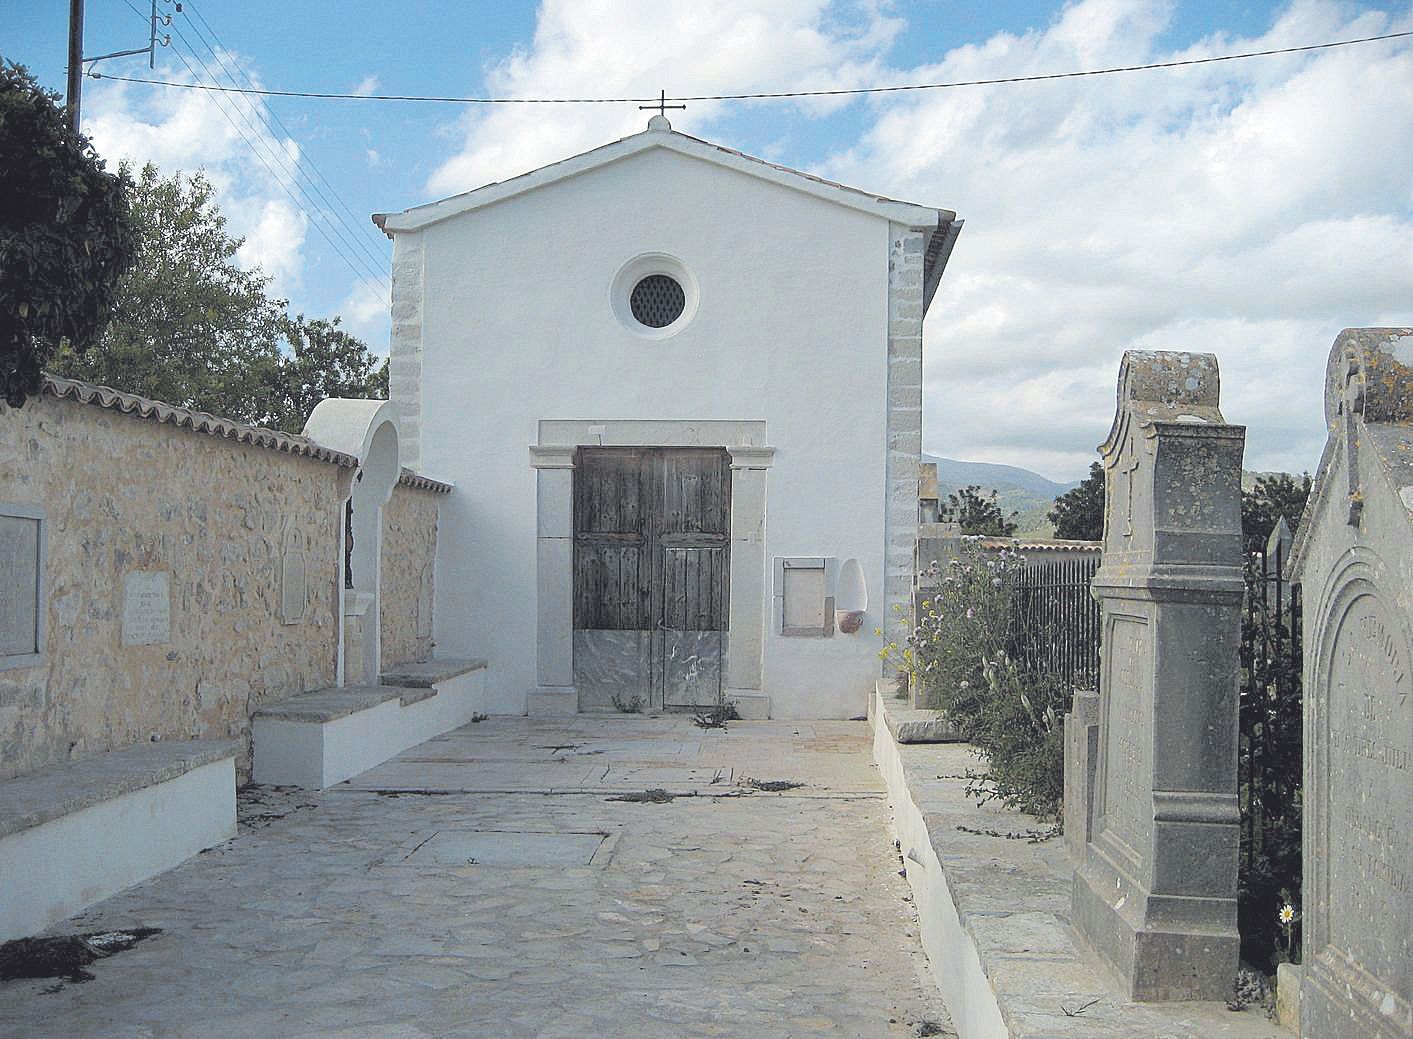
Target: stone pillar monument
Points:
(1155, 893)
(1353, 558)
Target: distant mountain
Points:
(1018, 490)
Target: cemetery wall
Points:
(409, 552)
(163, 604)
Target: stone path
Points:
(357, 912)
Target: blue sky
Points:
(1252, 208)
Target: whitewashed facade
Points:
(798, 351)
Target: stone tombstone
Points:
(1155, 892)
(147, 608)
(1353, 558)
(1081, 760)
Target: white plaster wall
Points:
(516, 326)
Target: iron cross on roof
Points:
(662, 106)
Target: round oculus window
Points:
(657, 300)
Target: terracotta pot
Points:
(848, 621)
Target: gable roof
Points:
(661, 135)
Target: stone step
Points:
(73, 834)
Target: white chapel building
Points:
(679, 393)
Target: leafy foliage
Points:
(977, 514)
(1079, 512)
(1271, 714)
(323, 361)
(1274, 496)
(65, 234)
(961, 655)
(193, 328)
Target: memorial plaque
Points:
(147, 608)
(1127, 764)
(1369, 815)
(424, 604)
(19, 585)
(294, 590)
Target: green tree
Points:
(65, 234)
(1272, 497)
(193, 328)
(977, 514)
(323, 361)
(1079, 512)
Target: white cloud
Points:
(1247, 208)
(365, 314)
(1251, 208)
(188, 130)
(598, 48)
(367, 85)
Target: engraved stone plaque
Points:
(19, 585)
(147, 608)
(1369, 817)
(424, 605)
(293, 585)
(1128, 755)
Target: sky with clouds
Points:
(1249, 208)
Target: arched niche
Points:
(850, 597)
(368, 430)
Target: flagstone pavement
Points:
(486, 884)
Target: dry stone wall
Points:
(189, 579)
(409, 552)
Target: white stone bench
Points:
(72, 835)
(322, 738)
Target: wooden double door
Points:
(651, 577)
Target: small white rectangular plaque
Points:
(147, 608)
(294, 588)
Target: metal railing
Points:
(1056, 620)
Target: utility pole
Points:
(76, 58)
(75, 62)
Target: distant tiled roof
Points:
(1048, 544)
(419, 482)
(196, 421)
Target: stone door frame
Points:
(552, 458)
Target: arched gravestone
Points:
(1353, 557)
(1156, 848)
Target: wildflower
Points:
(970, 613)
(1287, 913)
(965, 684)
(996, 581)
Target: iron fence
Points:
(1269, 749)
(1056, 620)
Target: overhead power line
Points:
(261, 142)
(359, 228)
(766, 96)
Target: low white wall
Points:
(54, 870)
(950, 951)
(315, 755)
